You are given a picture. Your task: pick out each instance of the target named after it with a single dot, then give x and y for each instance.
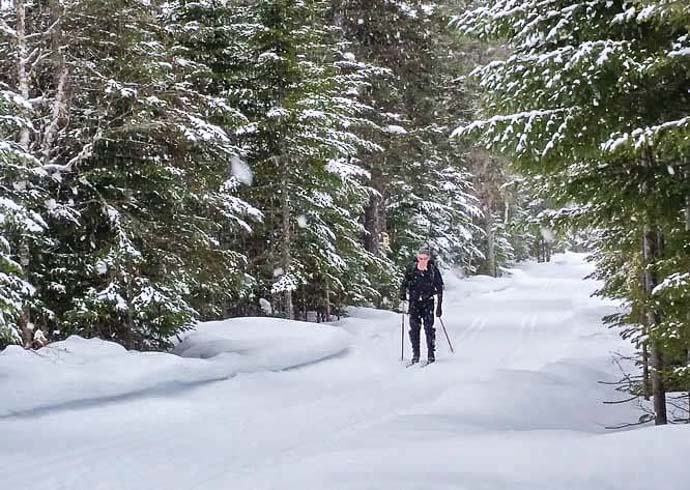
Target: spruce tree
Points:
(423, 190)
(140, 187)
(24, 201)
(299, 89)
(591, 96)
(20, 224)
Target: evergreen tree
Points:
(140, 182)
(19, 224)
(592, 96)
(423, 190)
(23, 198)
(299, 89)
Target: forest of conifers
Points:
(164, 162)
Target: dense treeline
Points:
(162, 162)
(592, 99)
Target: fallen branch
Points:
(618, 402)
(625, 426)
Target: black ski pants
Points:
(422, 312)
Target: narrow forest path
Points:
(519, 407)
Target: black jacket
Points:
(421, 285)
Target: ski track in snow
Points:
(518, 407)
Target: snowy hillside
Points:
(268, 404)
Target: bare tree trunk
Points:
(305, 305)
(541, 249)
(130, 327)
(646, 388)
(276, 303)
(22, 62)
(374, 217)
(372, 226)
(286, 252)
(687, 228)
(28, 329)
(646, 381)
(25, 324)
(328, 301)
(490, 239)
(651, 251)
(58, 107)
(652, 243)
(687, 206)
(538, 248)
(658, 386)
(688, 388)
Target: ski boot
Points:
(412, 362)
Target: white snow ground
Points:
(266, 404)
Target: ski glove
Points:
(439, 309)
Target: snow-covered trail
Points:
(518, 407)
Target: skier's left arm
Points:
(438, 285)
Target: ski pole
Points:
(402, 335)
(447, 338)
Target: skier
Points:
(422, 281)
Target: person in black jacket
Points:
(421, 283)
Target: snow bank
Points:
(80, 372)
(258, 344)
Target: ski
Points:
(419, 364)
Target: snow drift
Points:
(78, 372)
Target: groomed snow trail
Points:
(518, 407)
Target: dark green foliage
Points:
(139, 184)
(166, 162)
(423, 191)
(593, 98)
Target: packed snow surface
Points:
(259, 403)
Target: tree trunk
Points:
(374, 217)
(652, 248)
(328, 301)
(305, 305)
(658, 386)
(60, 67)
(687, 361)
(646, 389)
(371, 225)
(651, 240)
(22, 70)
(24, 140)
(687, 229)
(490, 238)
(286, 252)
(646, 381)
(25, 324)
